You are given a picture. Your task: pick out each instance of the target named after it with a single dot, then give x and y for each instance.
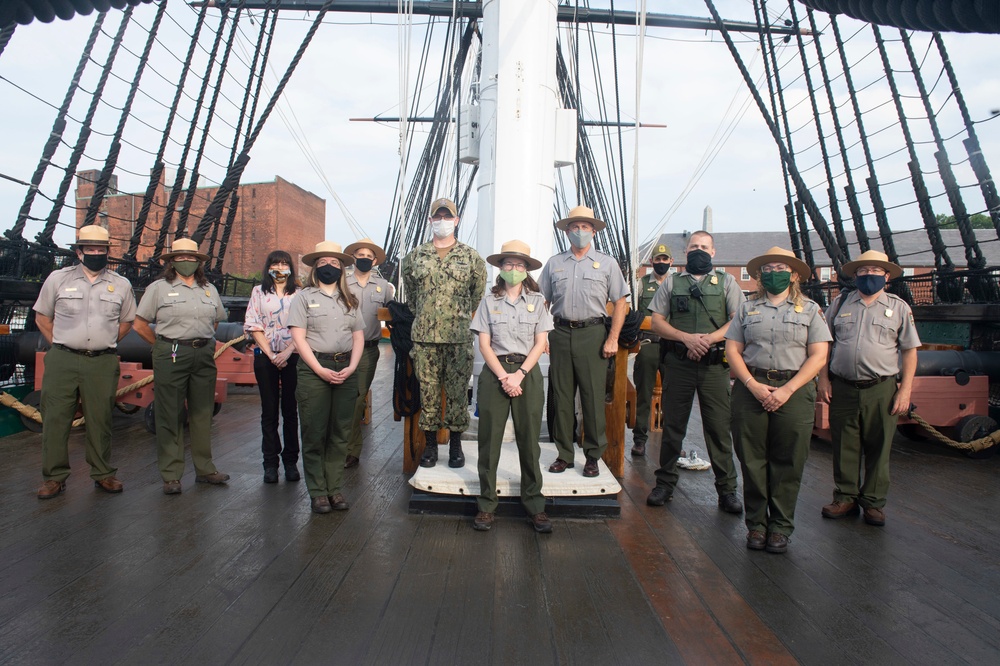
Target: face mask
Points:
(870, 285)
(442, 228)
(580, 239)
(776, 282)
(363, 265)
(328, 274)
(186, 268)
(699, 262)
(661, 269)
(513, 277)
(279, 276)
(95, 262)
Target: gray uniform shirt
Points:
(580, 289)
(512, 326)
(734, 295)
(776, 336)
(85, 314)
(372, 296)
(867, 339)
(329, 325)
(182, 312)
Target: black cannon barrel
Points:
(950, 362)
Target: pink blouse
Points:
(269, 313)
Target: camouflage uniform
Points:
(443, 294)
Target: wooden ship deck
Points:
(246, 574)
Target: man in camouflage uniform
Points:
(443, 282)
(647, 361)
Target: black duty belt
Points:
(867, 383)
(339, 357)
(192, 342)
(513, 358)
(372, 343)
(583, 323)
(86, 352)
(646, 335)
(772, 375)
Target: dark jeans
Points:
(277, 388)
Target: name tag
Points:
(70, 289)
(173, 293)
(845, 314)
(755, 312)
(312, 305)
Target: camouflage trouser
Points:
(447, 366)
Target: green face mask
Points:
(513, 277)
(186, 268)
(776, 282)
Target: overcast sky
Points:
(689, 83)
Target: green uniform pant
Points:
(94, 381)
(682, 379)
(191, 378)
(325, 414)
(861, 425)
(772, 448)
(526, 410)
(646, 365)
(576, 363)
(447, 366)
(365, 374)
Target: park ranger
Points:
(872, 330)
(83, 311)
(691, 312)
(373, 292)
(444, 281)
(647, 361)
(578, 284)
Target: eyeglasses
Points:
(775, 268)
(442, 216)
(514, 266)
(870, 270)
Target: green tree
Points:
(978, 220)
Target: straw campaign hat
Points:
(517, 250)
(184, 246)
(328, 249)
(872, 258)
(778, 255)
(581, 214)
(366, 243)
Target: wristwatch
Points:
(522, 371)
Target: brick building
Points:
(274, 215)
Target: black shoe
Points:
(455, 456)
(270, 475)
(430, 457)
(730, 503)
(292, 473)
(659, 496)
(639, 449)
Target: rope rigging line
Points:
(45, 235)
(5, 35)
(640, 39)
(101, 187)
(55, 135)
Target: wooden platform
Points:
(246, 574)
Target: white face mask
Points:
(442, 228)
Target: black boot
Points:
(455, 456)
(430, 457)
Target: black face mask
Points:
(328, 274)
(661, 269)
(95, 262)
(699, 262)
(363, 265)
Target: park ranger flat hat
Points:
(92, 234)
(515, 249)
(779, 255)
(369, 244)
(328, 249)
(184, 246)
(581, 214)
(872, 258)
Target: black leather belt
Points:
(339, 357)
(372, 343)
(85, 352)
(772, 375)
(513, 358)
(583, 323)
(867, 383)
(192, 342)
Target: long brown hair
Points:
(346, 296)
(794, 290)
(170, 273)
(500, 288)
